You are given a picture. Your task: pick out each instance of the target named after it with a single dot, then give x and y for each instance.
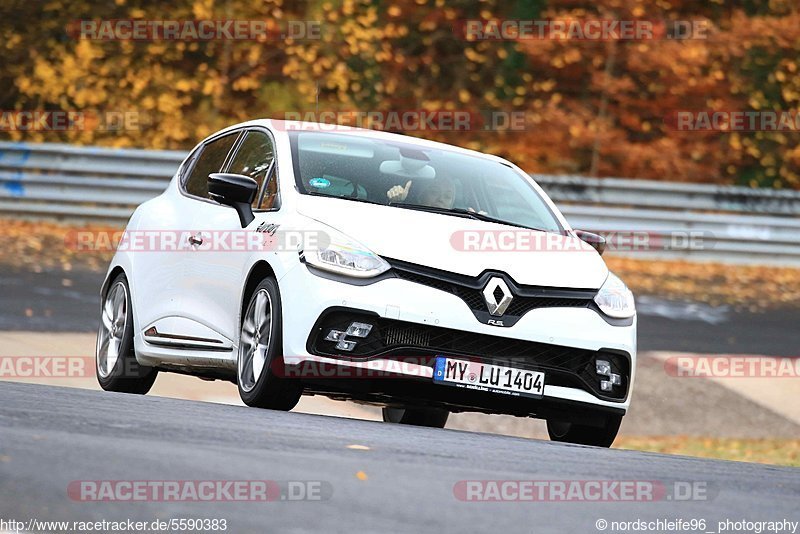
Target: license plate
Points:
(488, 377)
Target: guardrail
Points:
(736, 224)
(81, 182)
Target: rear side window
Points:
(254, 159)
(212, 157)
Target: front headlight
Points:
(344, 256)
(615, 299)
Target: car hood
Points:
(449, 243)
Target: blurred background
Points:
(595, 122)
(594, 107)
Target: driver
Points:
(437, 193)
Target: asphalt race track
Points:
(399, 479)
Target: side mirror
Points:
(596, 241)
(235, 190)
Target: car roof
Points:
(302, 126)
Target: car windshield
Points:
(406, 175)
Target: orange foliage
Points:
(590, 107)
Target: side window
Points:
(210, 160)
(253, 159)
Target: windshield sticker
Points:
(319, 183)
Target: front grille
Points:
(474, 299)
(470, 290)
(424, 280)
(521, 306)
(481, 345)
(567, 366)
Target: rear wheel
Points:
(599, 436)
(432, 417)
(260, 352)
(117, 368)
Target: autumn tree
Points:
(592, 107)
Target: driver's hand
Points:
(398, 193)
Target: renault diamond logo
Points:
(497, 296)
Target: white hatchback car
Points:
(297, 258)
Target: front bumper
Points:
(565, 333)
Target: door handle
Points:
(196, 240)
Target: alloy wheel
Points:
(114, 319)
(254, 342)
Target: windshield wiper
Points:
(461, 212)
(433, 209)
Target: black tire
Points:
(430, 417)
(267, 390)
(599, 436)
(121, 373)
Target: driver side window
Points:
(255, 158)
(211, 158)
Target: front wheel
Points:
(599, 436)
(117, 368)
(431, 417)
(260, 352)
